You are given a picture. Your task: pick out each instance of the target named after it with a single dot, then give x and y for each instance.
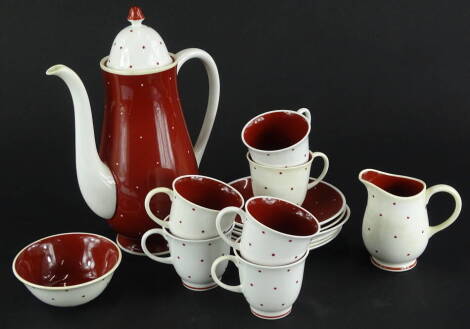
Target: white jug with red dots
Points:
(395, 227)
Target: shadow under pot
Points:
(274, 231)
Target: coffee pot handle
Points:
(214, 92)
(458, 206)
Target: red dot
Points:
(273, 255)
(263, 232)
(296, 257)
(290, 240)
(265, 188)
(249, 243)
(395, 236)
(288, 270)
(394, 203)
(184, 244)
(408, 254)
(202, 260)
(380, 214)
(297, 281)
(376, 251)
(291, 188)
(275, 288)
(260, 304)
(210, 244)
(178, 257)
(259, 271)
(194, 209)
(407, 217)
(143, 47)
(120, 47)
(202, 231)
(251, 284)
(130, 66)
(189, 276)
(131, 30)
(158, 63)
(283, 304)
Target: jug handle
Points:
(458, 206)
(214, 92)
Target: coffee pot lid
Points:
(137, 46)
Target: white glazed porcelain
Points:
(137, 46)
(270, 290)
(191, 259)
(193, 220)
(262, 241)
(291, 155)
(395, 227)
(291, 183)
(71, 295)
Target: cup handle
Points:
(165, 260)
(216, 262)
(326, 165)
(218, 219)
(458, 206)
(149, 197)
(305, 112)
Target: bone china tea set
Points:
(144, 181)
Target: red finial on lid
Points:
(135, 14)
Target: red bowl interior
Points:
(322, 200)
(208, 193)
(275, 130)
(282, 216)
(66, 259)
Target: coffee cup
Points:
(274, 231)
(270, 290)
(191, 259)
(278, 138)
(196, 201)
(289, 183)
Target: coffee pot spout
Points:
(95, 180)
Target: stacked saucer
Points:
(325, 201)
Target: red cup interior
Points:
(66, 259)
(399, 186)
(275, 130)
(282, 216)
(208, 193)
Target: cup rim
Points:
(74, 286)
(168, 232)
(284, 168)
(210, 178)
(279, 150)
(269, 267)
(278, 232)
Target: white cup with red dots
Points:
(288, 183)
(196, 201)
(270, 290)
(274, 231)
(191, 259)
(278, 138)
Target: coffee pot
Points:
(144, 139)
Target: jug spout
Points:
(96, 181)
(390, 184)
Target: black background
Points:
(388, 85)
